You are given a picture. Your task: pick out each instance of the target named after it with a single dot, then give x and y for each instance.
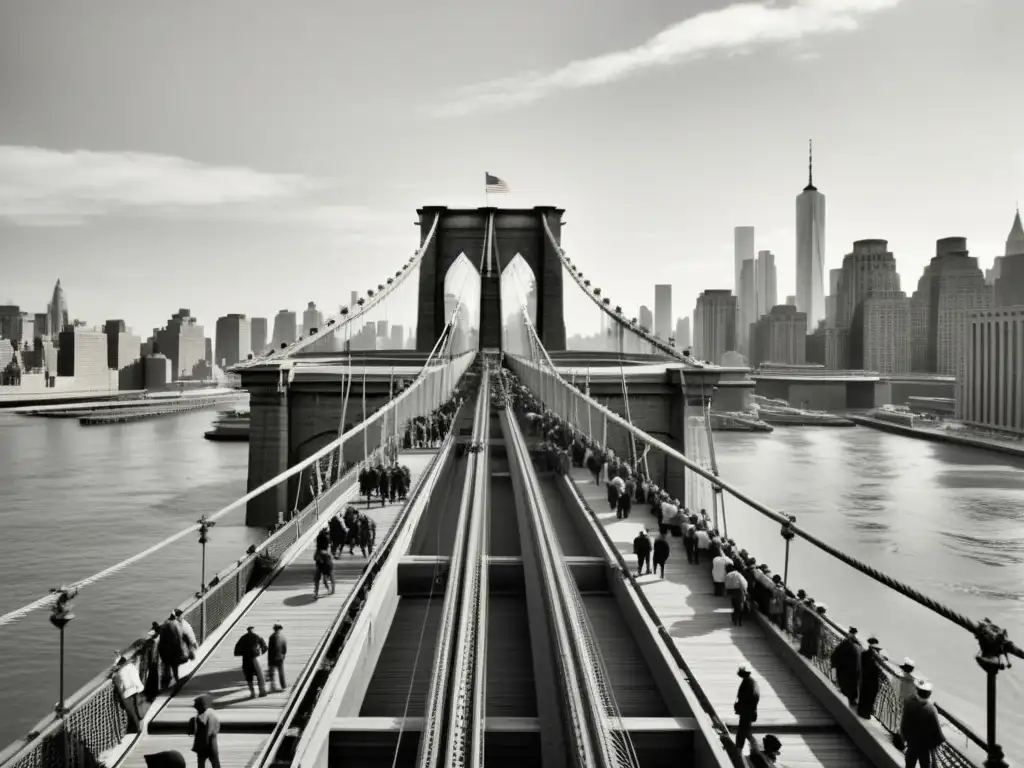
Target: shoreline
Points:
(940, 437)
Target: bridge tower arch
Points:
(516, 230)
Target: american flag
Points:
(494, 185)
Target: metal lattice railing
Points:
(618, 744)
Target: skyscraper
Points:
(683, 333)
(312, 318)
(234, 340)
(747, 304)
(743, 249)
(58, 311)
(285, 328)
(767, 283)
(780, 336)
(183, 342)
(258, 334)
(810, 250)
(864, 330)
(951, 287)
(715, 325)
(663, 311)
(832, 298)
(646, 318)
(1009, 285)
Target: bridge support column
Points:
(268, 453)
(689, 404)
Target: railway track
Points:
(501, 636)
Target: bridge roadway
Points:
(372, 707)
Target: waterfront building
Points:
(743, 250)
(991, 393)
(383, 336)
(816, 344)
(868, 269)
(57, 311)
(791, 300)
(15, 325)
(312, 318)
(951, 287)
(82, 355)
(747, 304)
(258, 334)
(810, 250)
(879, 337)
(123, 352)
(183, 341)
(156, 372)
(767, 283)
(233, 340)
(663, 311)
(1009, 284)
(715, 325)
(285, 329)
(683, 333)
(780, 336)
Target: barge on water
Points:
(230, 426)
(781, 413)
(738, 421)
(153, 409)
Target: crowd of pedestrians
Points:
(748, 585)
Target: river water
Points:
(949, 521)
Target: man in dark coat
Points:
(277, 650)
(383, 485)
(747, 698)
(661, 553)
(337, 531)
(204, 728)
(367, 535)
(642, 550)
(173, 652)
(846, 662)
(870, 678)
(250, 647)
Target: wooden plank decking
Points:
(288, 600)
(701, 626)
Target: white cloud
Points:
(45, 187)
(736, 29)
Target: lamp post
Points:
(787, 534)
(993, 658)
(60, 617)
(204, 536)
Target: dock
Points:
(702, 630)
(154, 409)
(287, 599)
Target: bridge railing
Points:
(96, 720)
(565, 400)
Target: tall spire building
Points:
(1009, 285)
(57, 311)
(810, 249)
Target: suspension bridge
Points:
(500, 617)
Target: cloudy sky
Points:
(249, 156)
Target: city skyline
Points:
(240, 218)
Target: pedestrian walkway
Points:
(287, 600)
(701, 627)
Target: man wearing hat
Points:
(870, 678)
(920, 727)
(277, 649)
(747, 698)
(845, 661)
(250, 647)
